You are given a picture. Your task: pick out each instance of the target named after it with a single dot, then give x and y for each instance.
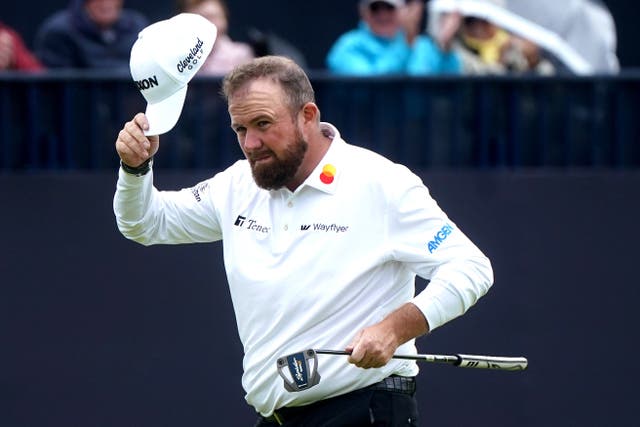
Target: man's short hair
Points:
(289, 75)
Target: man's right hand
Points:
(133, 147)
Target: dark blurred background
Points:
(542, 173)
(315, 27)
(100, 331)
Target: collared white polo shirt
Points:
(311, 268)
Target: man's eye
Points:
(263, 124)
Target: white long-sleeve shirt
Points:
(311, 268)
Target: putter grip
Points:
(492, 362)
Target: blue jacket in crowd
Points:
(361, 52)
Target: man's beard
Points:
(276, 172)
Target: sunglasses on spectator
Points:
(380, 5)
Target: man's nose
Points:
(252, 140)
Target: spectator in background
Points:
(486, 48)
(14, 54)
(226, 53)
(389, 40)
(89, 34)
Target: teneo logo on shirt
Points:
(250, 224)
(440, 237)
(334, 228)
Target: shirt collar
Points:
(326, 175)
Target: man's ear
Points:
(310, 112)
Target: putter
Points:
(303, 366)
(303, 370)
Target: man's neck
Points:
(317, 148)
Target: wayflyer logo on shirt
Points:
(325, 228)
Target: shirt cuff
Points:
(438, 304)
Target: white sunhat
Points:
(164, 58)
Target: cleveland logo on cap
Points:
(191, 59)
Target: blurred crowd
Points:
(413, 37)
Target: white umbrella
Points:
(579, 33)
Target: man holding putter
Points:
(322, 243)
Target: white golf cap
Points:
(164, 59)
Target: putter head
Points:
(302, 372)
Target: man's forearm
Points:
(407, 322)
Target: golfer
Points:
(322, 244)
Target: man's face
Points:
(104, 12)
(270, 138)
(382, 18)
